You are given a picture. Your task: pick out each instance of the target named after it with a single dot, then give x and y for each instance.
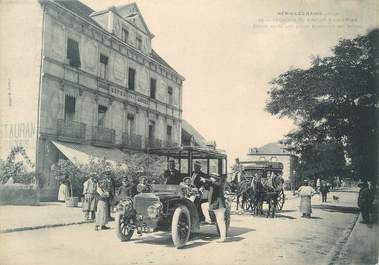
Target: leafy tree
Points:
(333, 102)
(66, 170)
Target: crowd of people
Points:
(100, 194)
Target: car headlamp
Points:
(153, 210)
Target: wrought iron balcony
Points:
(153, 143)
(133, 141)
(71, 131)
(103, 136)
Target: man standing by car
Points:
(217, 204)
(172, 175)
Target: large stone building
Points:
(76, 81)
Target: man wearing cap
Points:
(306, 192)
(89, 192)
(172, 175)
(198, 176)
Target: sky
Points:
(229, 51)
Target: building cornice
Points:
(130, 49)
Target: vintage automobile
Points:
(171, 207)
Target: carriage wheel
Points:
(281, 199)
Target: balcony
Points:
(153, 143)
(71, 131)
(103, 136)
(132, 141)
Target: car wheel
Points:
(124, 230)
(181, 226)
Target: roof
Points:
(199, 139)
(78, 8)
(160, 60)
(268, 165)
(85, 11)
(275, 148)
(183, 152)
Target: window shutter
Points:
(73, 53)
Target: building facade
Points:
(82, 79)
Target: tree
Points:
(334, 105)
(66, 170)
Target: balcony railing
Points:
(71, 131)
(153, 143)
(103, 136)
(132, 141)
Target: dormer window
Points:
(139, 42)
(125, 35)
(73, 55)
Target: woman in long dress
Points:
(102, 206)
(306, 192)
(63, 192)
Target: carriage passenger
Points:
(172, 175)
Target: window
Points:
(151, 130)
(153, 87)
(131, 78)
(170, 95)
(130, 124)
(69, 108)
(139, 42)
(125, 35)
(101, 111)
(169, 133)
(103, 66)
(73, 53)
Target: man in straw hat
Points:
(306, 192)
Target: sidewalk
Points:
(49, 214)
(362, 245)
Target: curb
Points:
(334, 254)
(18, 229)
(341, 208)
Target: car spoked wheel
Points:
(180, 226)
(124, 227)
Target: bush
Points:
(22, 171)
(65, 170)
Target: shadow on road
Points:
(336, 209)
(164, 238)
(278, 215)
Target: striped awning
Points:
(81, 154)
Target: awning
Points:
(82, 153)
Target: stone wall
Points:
(19, 194)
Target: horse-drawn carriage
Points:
(256, 182)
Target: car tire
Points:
(122, 231)
(181, 226)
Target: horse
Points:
(267, 189)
